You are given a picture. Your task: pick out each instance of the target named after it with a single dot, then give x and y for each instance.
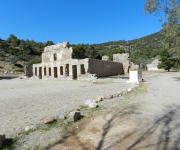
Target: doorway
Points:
(82, 69)
(55, 72)
(44, 71)
(40, 72)
(74, 71)
(61, 70)
(49, 71)
(35, 71)
(67, 70)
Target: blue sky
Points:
(76, 21)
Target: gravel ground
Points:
(152, 125)
(25, 102)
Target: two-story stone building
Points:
(57, 62)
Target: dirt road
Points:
(146, 121)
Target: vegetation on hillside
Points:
(27, 51)
(142, 51)
(169, 13)
(167, 61)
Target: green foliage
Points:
(171, 39)
(20, 70)
(33, 61)
(170, 11)
(9, 144)
(143, 50)
(79, 51)
(167, 61)
(14, 49)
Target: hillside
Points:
(146, 45)
(15, 53)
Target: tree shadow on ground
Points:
(160, 134)
(7, 144)
(77, 142)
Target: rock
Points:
(118, 92)
(93, 105)
(124, 93)
(109, 96)
(94, 82)
(98, 99)
(2, 138)
(27, 128)
(115, 95)
(5, 72)
(87, 102)
(78, 108)
(60, 116)
(129, 90)
(74, 116)
(102, 97)
(48, 119)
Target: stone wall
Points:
(124, 59)
(57, 52)
(28, 70)
(105, 68)
(58, 63)
(153, 65)
(105, 58)
(133, 66)
(64, 69)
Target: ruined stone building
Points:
(124, 59)
(153, 65)
(57, 62)
(127, 64)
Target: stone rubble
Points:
(74, 116)
(98, 99)
(60, 116)
(109, 96)
(48, 119)
(93, 105)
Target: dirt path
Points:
(147, 121)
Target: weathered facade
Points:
(105, 58)
(153, 65)
(28, 71)
(124, 59)
(57, 62)
(133, 66)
